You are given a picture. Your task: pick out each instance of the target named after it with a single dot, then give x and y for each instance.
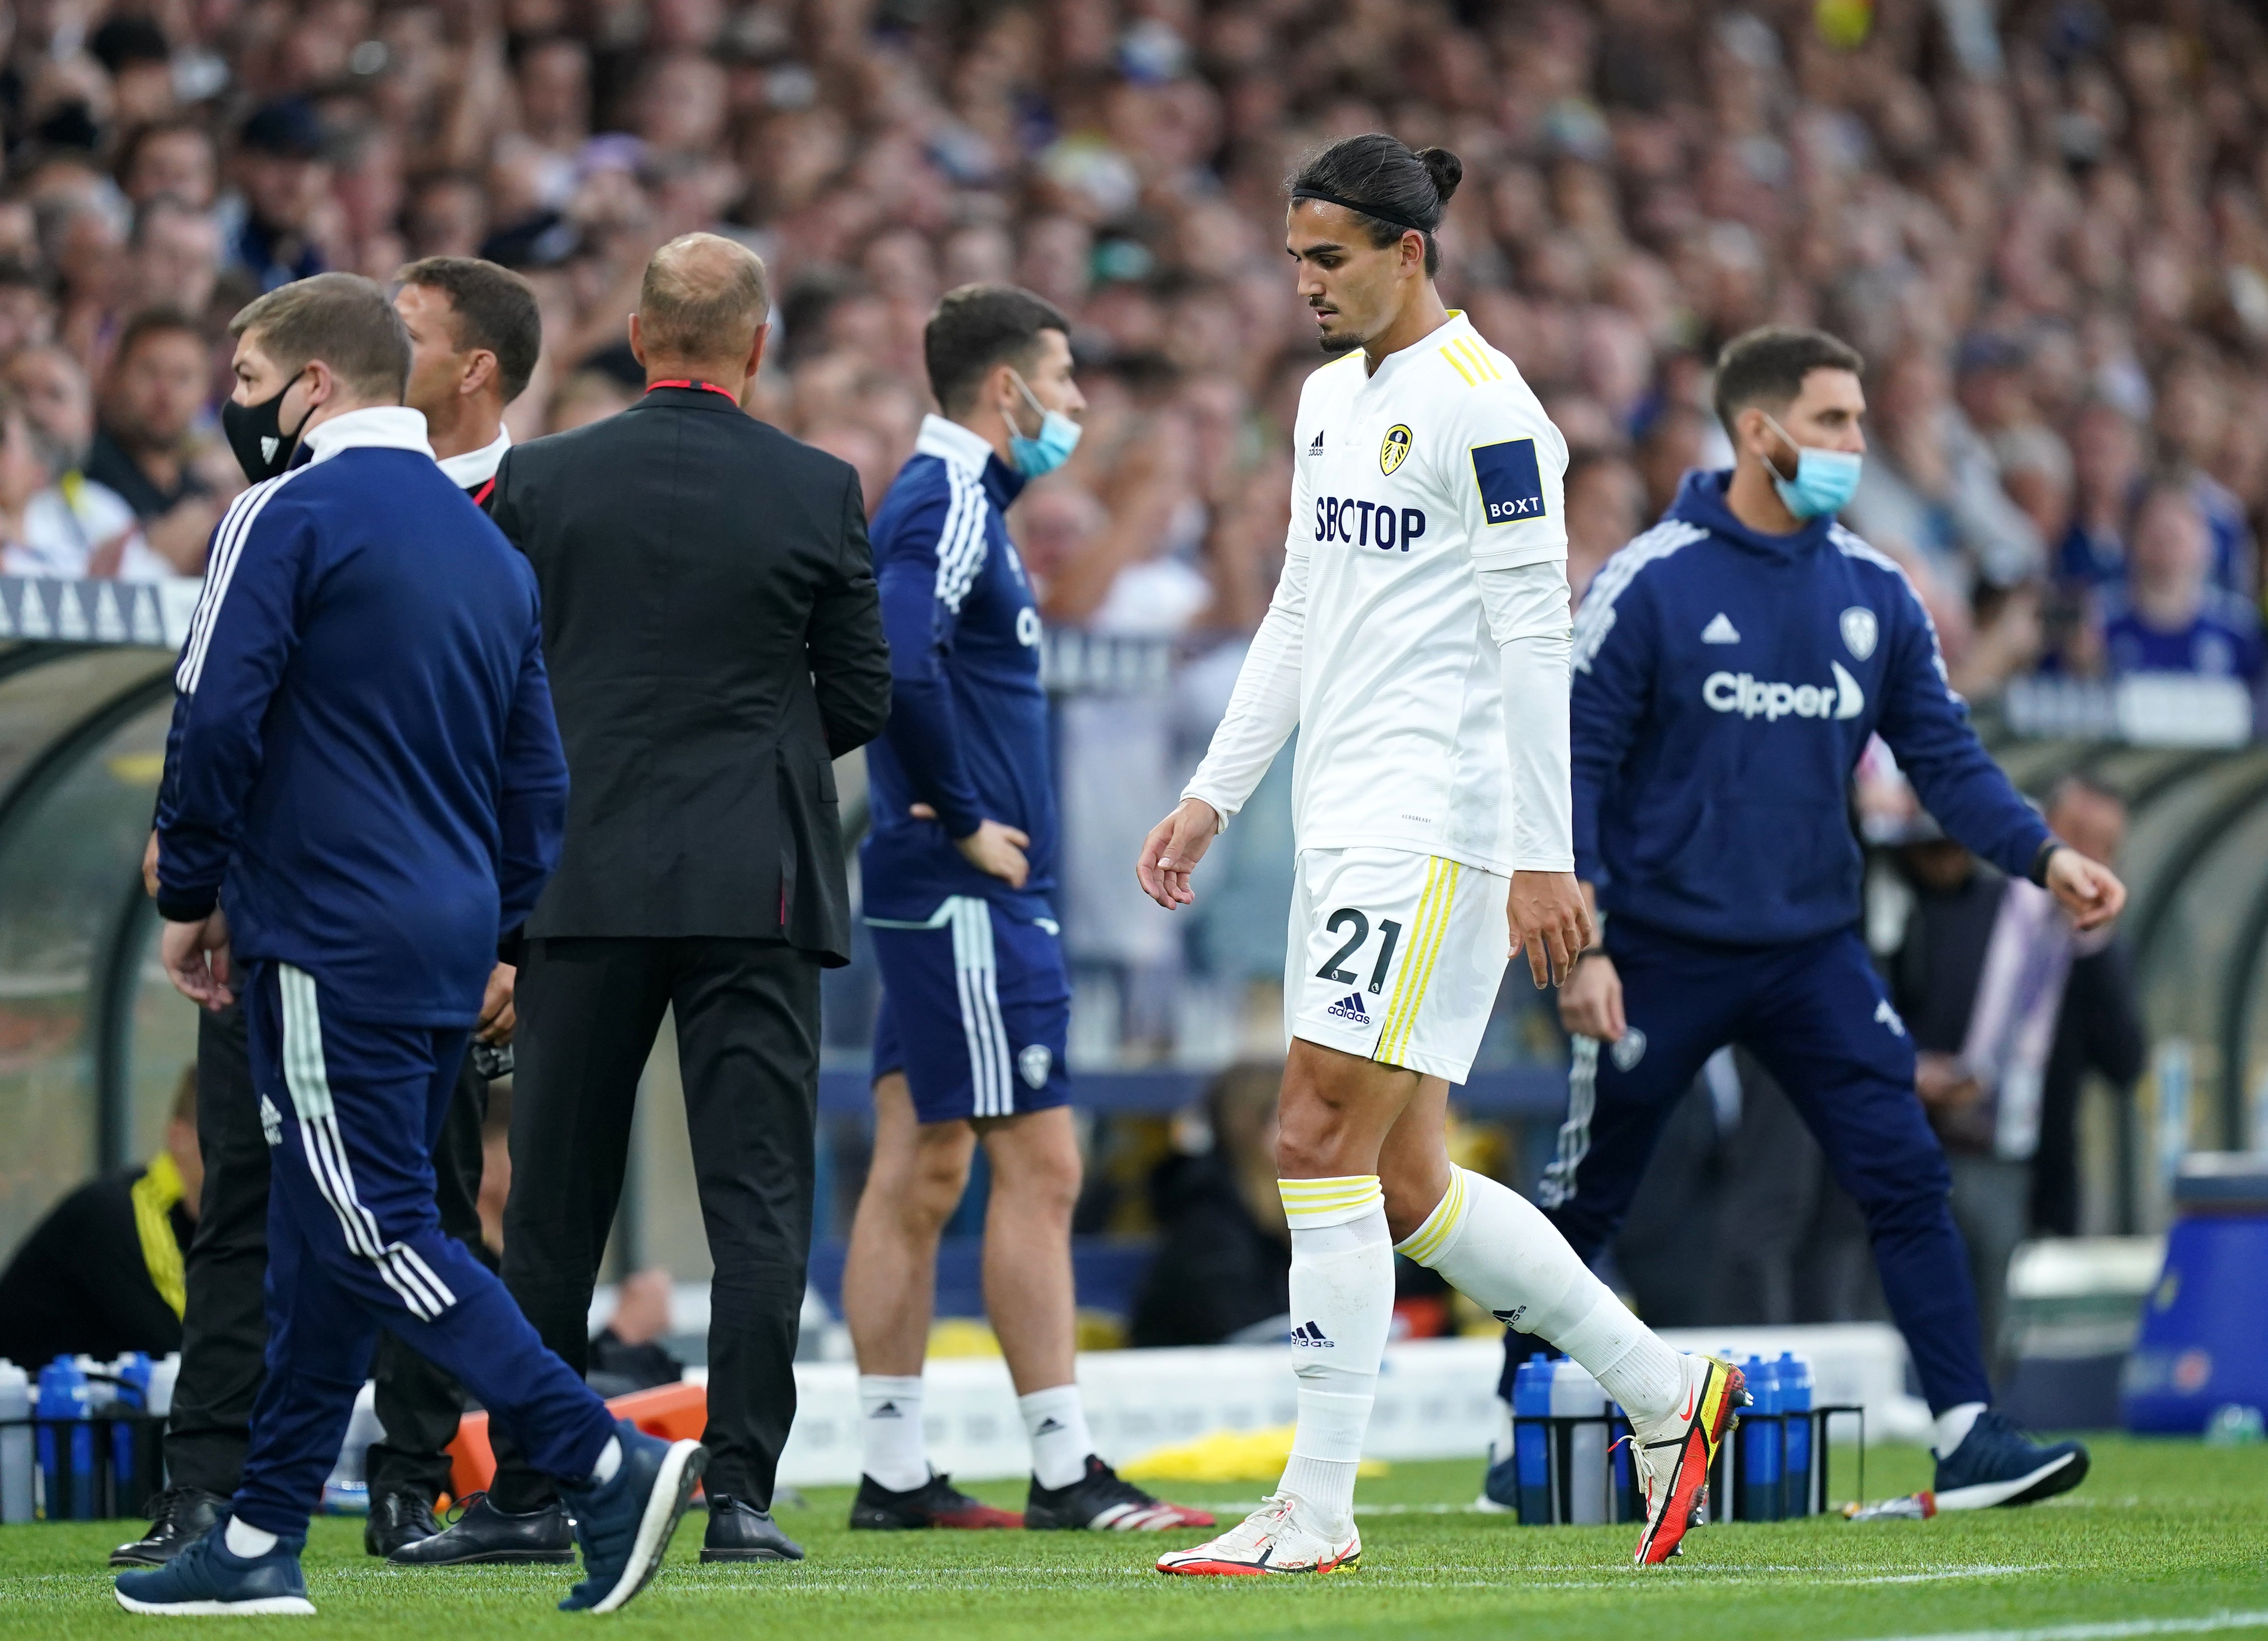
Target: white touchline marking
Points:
(2201, 1625)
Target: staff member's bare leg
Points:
(916, 1180)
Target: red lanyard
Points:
(706, 387)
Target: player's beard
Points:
(1345, 341)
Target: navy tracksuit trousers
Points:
(1816, 1015)
(352, 1110)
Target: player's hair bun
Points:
(1445, 168)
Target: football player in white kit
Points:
(1420, 639)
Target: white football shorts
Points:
(1394, 956)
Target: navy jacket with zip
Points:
(1726, 683)
(363, 770)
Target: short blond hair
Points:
(343, 319)
(703, 298)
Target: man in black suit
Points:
(714, 640)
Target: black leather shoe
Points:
(738, 1531)
(178, 1517)
(396, 1520)
(486, 1536)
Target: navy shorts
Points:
(975, 1007)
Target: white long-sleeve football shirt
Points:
(1424, 587)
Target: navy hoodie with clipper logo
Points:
(1726, 683)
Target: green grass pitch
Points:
(2162, 1538)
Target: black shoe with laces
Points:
(178, 1517)
(1101, 1501)
(396, 1520)
(936, 1502)
(480, 1535)
(739, 1531)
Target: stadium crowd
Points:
(2048, 238)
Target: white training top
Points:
(1425, 584)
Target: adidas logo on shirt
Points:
(1720, 631)
(1316, 449)
(1312, 1337)
(1350, 1008)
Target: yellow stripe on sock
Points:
(1346, 1196)
(1401, 999)
(1425, 1244)
(1432, 932)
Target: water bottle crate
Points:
(104, 1468)
(1564, 1490)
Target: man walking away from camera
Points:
(713, 638)
(363, 794)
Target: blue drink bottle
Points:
(66, 1457)
(1531, 1440)
(1795, 1403)
(1761, 1453)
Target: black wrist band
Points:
(2039, 874)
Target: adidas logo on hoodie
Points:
(1312, 1337)
(1350, 1008)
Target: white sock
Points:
(610, 1460)
(890, 1427)
(1496, 1247)
(245, 1541)
(1342, 1308)
(1953, 1427)
(1057, 1424)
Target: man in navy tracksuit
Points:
(363, 793)
(1731, 664)
(958, 874)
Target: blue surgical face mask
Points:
(1825, 480)
(1058, 438)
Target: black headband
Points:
(1388, 216)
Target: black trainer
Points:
(480, 1535)
(1102, 1501)
(396, 1520)
(936, 1502)
(178, 1517)
(739, 1531)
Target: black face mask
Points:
(256, 433)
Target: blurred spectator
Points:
(2107, 466)
(1224, 1264)
(628, 1353)
(2168, 616)
(73, 526)
(146, 445)
(2010, 1008)
(175, 259)
(279, 167)
(172, 159)
(1605, 504)
(101, 1274)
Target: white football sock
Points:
(1057, 1424)
(610, 1460)
(890, 1427)
(246, 1541)
(1496, 1247)
(1953, 1427)
(1342, 1308)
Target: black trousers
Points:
(747, 1048)
(224, 1328)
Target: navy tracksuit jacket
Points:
(363, 773)
(1726, 683)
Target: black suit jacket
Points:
(714, 640)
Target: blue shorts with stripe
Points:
(351, 1109)
(975, 1007)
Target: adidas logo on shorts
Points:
(1350, 1008)
(1311, 1337)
